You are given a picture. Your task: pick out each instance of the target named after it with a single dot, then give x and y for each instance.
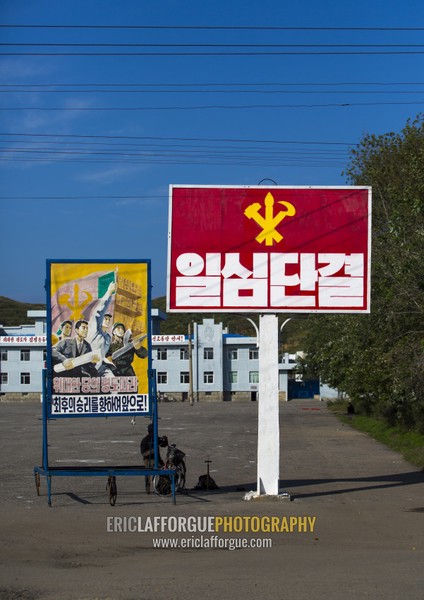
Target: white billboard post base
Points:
(268, 408)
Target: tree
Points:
(378, 359)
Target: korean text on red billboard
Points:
(279, 249)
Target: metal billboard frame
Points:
(271, 310)
(46, 469)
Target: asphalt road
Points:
(365, 502)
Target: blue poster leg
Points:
(49, 488)
(45, 416)
(174, 501)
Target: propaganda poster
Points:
(98, 342)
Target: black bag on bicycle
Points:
(174, 455)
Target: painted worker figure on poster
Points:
(98, 336)
(73, 357)
(65, 330)
(123, 349)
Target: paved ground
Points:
(368, 540)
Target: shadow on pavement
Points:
(379, 482)
(314, 488)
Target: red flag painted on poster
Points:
(279, 249)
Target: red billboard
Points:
(277, 249)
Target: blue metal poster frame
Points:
(110, 471)
(106, 398)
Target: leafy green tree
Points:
(378, 359)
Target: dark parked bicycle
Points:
(162, 484)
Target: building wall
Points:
(208, 360)
(171, 364)
(23, 366)
(22, 358)
(225, 367)
(241, 368)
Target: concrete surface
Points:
(369, 507)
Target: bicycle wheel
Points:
(162, 484)
(180, 477)
(113, 490)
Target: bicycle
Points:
(162, 484)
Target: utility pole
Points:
(190, 367)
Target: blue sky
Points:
(90, 143)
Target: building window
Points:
(4, 378)
(208, 377)
(233, 354)
(25, 378)
(184, 377)
(26, 354)
(253, 376)
(162, 377)
(162, 354)
(233, 377)
(44, 355)
(253, 354)
(3, 354)
(208, 353)
(183, 354)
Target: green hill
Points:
(13, 312)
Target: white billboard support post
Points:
(268, 407)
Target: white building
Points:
(22, 357)
(224, 367)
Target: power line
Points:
(214, 84)
(184, 139)
(138, 197)
(203, 27)
(113, 147)
(215, 45)
(183, 152)
(67, 144)
(122, 148)
(191, 162)
(174, 151)
(224, 92)
(204, 107)
(237, 54)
